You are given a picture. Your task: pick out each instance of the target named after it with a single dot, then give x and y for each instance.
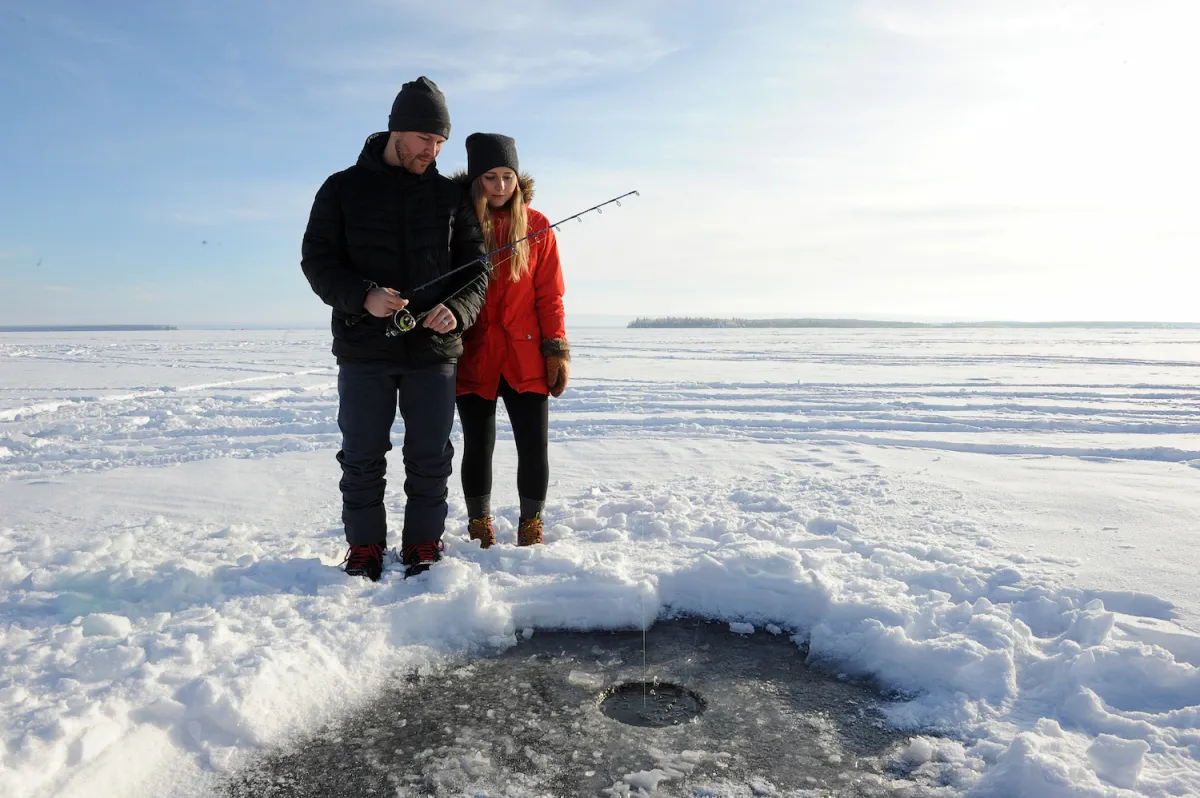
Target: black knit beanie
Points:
(487, 151)
(420, 107)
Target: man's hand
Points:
(440, 319)
(382, 302)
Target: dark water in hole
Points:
(528, 722)
(652, 704)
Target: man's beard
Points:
(409, 161)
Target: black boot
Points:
(418, 557)
(365, 561)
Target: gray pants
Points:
(368, 395)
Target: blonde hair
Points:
(518, 228)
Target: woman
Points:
(517, 349)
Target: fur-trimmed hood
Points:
(524, 181)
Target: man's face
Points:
(416, 151)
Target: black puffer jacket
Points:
(381, 224)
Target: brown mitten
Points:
(558, 359)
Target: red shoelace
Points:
(360, 556)
(423, 552)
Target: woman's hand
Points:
(557, 368)
(558, 364)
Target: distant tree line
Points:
(702, 321)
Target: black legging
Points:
(530, 418)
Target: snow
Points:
(998, 525)
(645, 782)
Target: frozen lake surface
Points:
(998, 525)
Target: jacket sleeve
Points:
(324, 258)
(548, 287)
(466, 245)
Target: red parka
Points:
(506, 339)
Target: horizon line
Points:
(759, 320)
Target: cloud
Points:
(471, 47)
(950, 20)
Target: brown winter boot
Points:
(529, 531)
(483, 530)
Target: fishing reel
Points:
(402, 321)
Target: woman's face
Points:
(499, 185)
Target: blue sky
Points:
(916, 159)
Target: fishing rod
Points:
(403, 321)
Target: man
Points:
(378, 230)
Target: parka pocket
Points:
(527, 352)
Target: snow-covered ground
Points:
(1001, 524)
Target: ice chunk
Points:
(102, 624)
(588, 681)
(1116, 760)
(919, 751)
